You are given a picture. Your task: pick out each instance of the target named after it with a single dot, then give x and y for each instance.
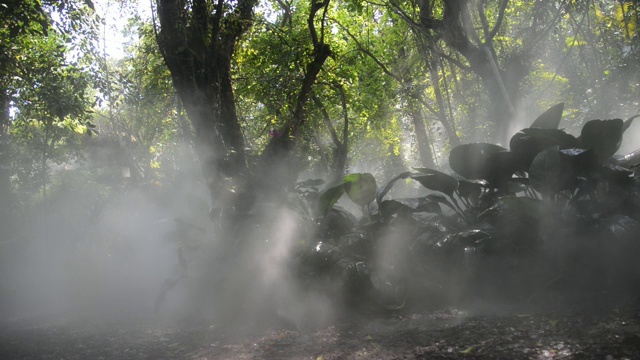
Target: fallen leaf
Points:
(468, 350)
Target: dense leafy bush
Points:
(553, 215)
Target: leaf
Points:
(470, 190)
(309, 183)
(468, 350)
(616, 175)
(551, 172)
(401, 207)
(439, 198)
(628, 161)
(471, 160)
(627, 123)
(456, 248)
(437, 181)
(360, 188)
(517, 218)
(465, 238)
(620, 227)
(426, 205)
(550, 119)
(500, 168)
(329, 197)
(627, 24)
(602, 136)
(527, 143)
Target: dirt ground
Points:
(443, 334)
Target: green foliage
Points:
(139, 113)
(497, 234)
(360, 188)
(51, 103)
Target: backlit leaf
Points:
(550, 119)
(360, 188)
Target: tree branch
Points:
(215, 24)
(496, 27)
(327, 120)
(382, 66)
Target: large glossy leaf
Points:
(620, 227)
(616, 175)
(360, 188)
(439, 198)
(552, 171)
(471, 190)
(329, 197)
(628, 161)
(583, 161)
(337, 222)
(628, 122)
(399, 207)
(324, 254)
(527, 143)
(500, 168)
(310, 183)
(550, 119)
(437, 181)
(472, 161)
(517, 218)
(521, 207)
(602, 136)
(464, 239)
(356, 244)
(410, 205)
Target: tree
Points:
(52, 102)
(470, 36)
(140, 115)
(197, 41)
(26, 23)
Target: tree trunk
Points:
(277, 155)
(338, 162)
(197, 43)
(6, 203)
(422, 140)
(457, 31)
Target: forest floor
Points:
(443, 334)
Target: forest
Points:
(299, 162)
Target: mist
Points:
(298, 179)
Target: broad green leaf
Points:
(360, 188)
(329, 197)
